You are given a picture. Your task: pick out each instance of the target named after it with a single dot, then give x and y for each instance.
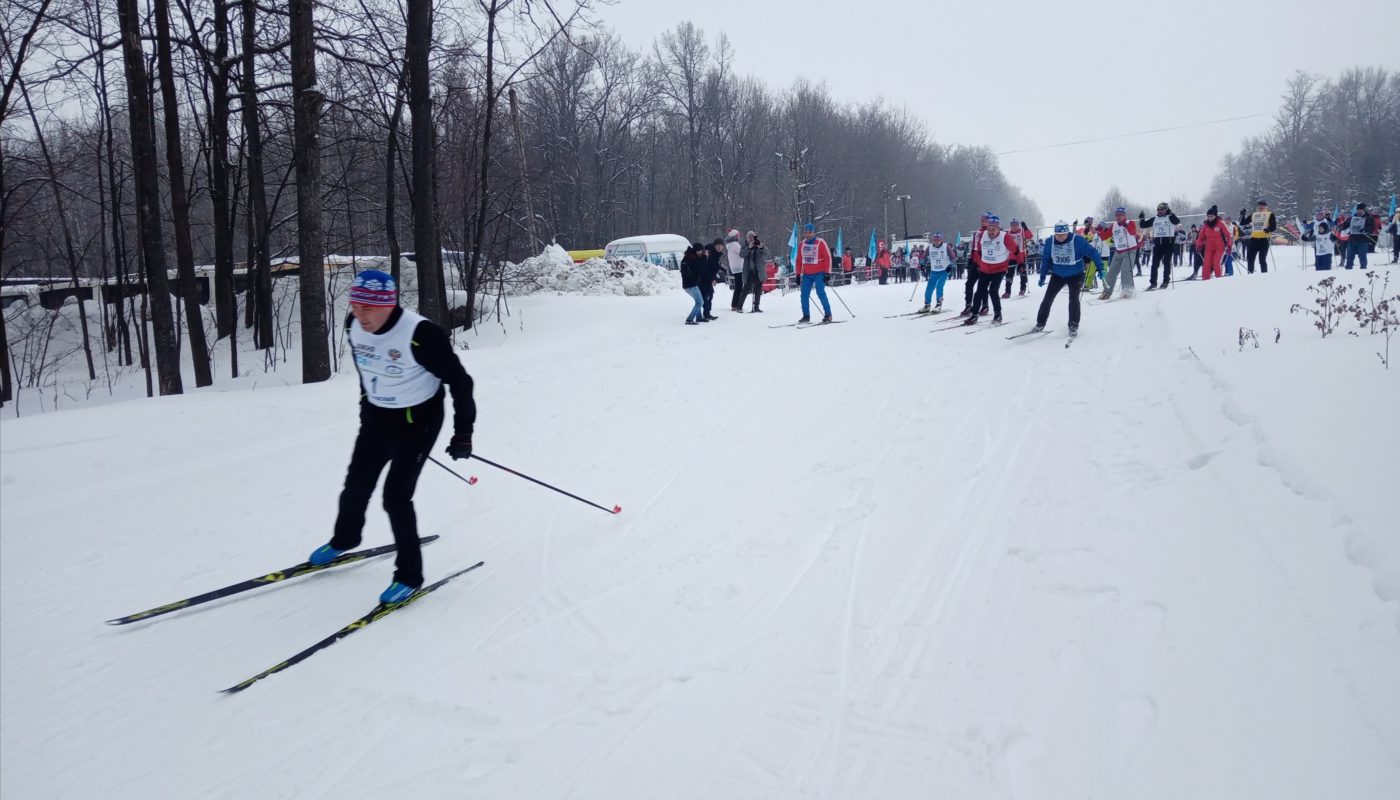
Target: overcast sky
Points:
(1020, 74)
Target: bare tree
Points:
(143, 154)
(315, 347)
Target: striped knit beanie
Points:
(374, 288)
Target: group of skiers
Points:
(703, 266)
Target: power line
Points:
(1129, 135)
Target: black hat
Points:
(1361, 205)
(1213, 212)
(1261, 202)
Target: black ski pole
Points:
(843, 302)
(468, 481)
(614, 510)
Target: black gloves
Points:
(460, 447)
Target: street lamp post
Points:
(904, 200)
(888, 192)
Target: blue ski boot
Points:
(396, 593)
(324, 555)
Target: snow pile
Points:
(554, 271)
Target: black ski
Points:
(1027, 333)
(379, 612)
(819, 324)
(304, 568)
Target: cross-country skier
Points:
(1361, 229)
(1261, 226)
(973, 259)
(813, 264)
(1163, 245)
(1191, 237)
(1063, 256)
(1124, 235)
(995, 250)
(403, 361)
(1213, 243)
(1319, 232)
(1024, 240)
(941, 257)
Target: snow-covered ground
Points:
(863, 560)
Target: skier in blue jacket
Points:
(1063, 256)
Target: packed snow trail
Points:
(863, 563)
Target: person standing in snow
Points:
(1191, 237)
(734, 259)
(996, 249)
(691, 264)
(1064, 256)
(1124, 235)
(1395, 236)
(403, 361)
(1024, 240)
(1319, 232)
(1261, 226)
(755, 259)
(1361, 233)
(714, 267)
(1213, 243)
(940, 258)
(882, 262)
(973, 267)
(1179, 248)
(1163, 240)
(813, 264)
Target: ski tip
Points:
(617, 509)
(472, 480)
(116, 622)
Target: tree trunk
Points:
(6, 392)
(306, 101)
(484, 179)
(259, 257)
(179, 200)
(391, 224)
(143, 156)
(427, 251)
(535, 242)
(225, 303)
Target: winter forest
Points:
(145, 137)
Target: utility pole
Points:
(904, 201)
(888, 192)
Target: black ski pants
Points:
(970, 289)
(988, 287)
(1072, 283)
(402, 439)
(1259, 248)
(1163, 250)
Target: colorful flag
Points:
(872, 251)
(792, 244)
(1392, 205)
(839, 242)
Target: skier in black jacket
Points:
(404, 362)
(1164, 227)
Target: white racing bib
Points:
(1322, 245)
(938, 258)
(1122, 238)
(1259, 220)
(389, 374)
(809, 252)
(1062, 254)
(1358, 225)
(994, 250)
(1162, 228)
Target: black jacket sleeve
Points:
(433, 350)
(1174, 218)
(1273, 223)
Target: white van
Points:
(662, 249)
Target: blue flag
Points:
(871, 252)
(840, 241)
(1392, 205)
(792, 244)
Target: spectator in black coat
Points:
(692, 264)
